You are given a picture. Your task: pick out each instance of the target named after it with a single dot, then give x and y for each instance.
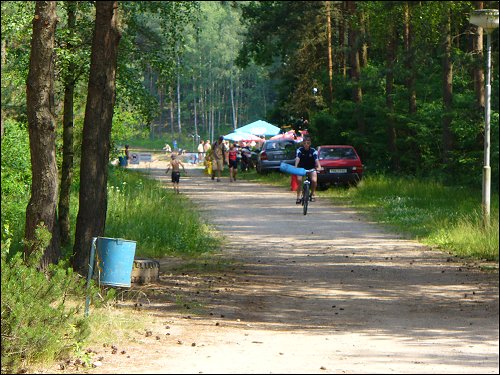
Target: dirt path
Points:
(324, 293)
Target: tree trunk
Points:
(151, 124)
(220, 103)
(357, 93)
(41, 209)
(363, 48)
(389, 94)
(194, 107)
(409, 59)
(330, 61)
(91, 218)
(237, 105)
(342, 38)
(161, 91)
(172, 109)
(67, 161)
(179, 127)
(202, 108)
(212, 108)
(447, 135)
(477, 50)
(231, 90)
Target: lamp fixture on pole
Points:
(488, 20)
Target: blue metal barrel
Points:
(115, 259)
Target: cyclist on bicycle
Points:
(307, 158)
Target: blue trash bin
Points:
(123, 161)
(114, 261)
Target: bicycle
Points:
(306, 189)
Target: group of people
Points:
(218, 154)
(203, 150)
(231, 154)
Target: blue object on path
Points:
(290, 169)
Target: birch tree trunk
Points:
(233, 109)
(194, 107)
(179, 127)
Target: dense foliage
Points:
(295, 49)
(402, 78)
(39, 319)
(16, 181)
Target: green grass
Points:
(162, 223)
(272, 178)
(449, 218)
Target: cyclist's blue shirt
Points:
(307, 158)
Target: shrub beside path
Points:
(329, 292)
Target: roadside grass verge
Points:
(162, 223)
(448, 218)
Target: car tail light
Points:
(263, 156)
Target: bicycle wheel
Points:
(305, 198)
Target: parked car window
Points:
(273, 153)
(279, 145)
(337, 153)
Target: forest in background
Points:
(403, 82)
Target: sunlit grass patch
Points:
(443, 216)
(468, 237)
(162, 222)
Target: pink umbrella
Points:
(288, 135)
(242, 137)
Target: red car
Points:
(341, 166)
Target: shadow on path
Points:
(328, 272)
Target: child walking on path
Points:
(233, 162)
(176, 173)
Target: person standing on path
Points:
(206, 146)
(127, 154)
(176, 173)
(233, 162)
(200, 152)
(219, 155)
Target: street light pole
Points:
(487, 111)
(488, 20)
